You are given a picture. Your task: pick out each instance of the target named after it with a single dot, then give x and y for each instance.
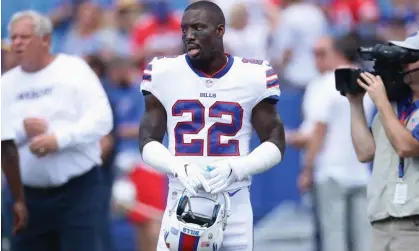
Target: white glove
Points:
(191, 177)
(221, 176)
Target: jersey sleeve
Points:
(147, 81)
(270, 83)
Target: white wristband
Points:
(261, 159)
(158, 156)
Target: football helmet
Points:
(188, 230)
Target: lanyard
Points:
(404, 119)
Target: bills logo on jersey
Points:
(207, 95)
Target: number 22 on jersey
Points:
(197, 123)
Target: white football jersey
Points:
(209, 117)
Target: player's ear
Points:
(220, 30)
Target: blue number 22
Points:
(197, 123)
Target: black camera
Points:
(388, 64)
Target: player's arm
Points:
(270, 130)
(10, 167)
(268, 126)
(153, 125)
(9, 152)
(153, 122)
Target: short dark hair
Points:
(118, 61)
(348, 45)
(213, 9)
(97, 63)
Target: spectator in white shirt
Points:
(257, 14)
(340, 179)
(323, 54)
(300, 26)
(312, 96)
(244, 40)
(62, 113)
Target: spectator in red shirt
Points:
(157, 34)
(347, 15)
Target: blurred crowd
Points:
(118, 37)
(138, 30)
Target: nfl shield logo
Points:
(209, 83)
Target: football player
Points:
(209, 102)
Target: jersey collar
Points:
(220, 73)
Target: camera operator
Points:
(393, 145)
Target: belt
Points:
(405, 218)
(45, 190)
(59, 188)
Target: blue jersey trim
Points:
(219, 74)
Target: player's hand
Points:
(191, 177)
(44, 144)
(374, 85)
(196, 175)
(305, 180)
(221, 176)
(20, 216)
(35, 126)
